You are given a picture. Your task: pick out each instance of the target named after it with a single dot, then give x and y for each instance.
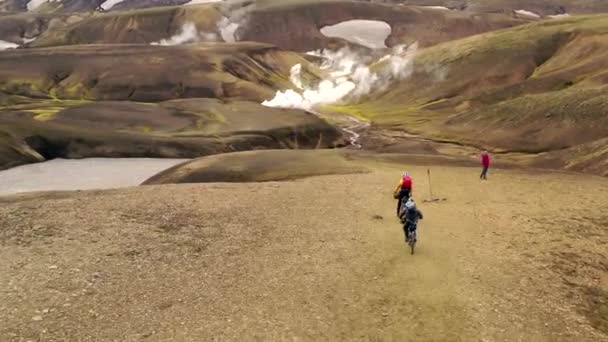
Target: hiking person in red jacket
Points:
(485, 163)
(403, 191)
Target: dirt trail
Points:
(308, 260)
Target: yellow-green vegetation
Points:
(43, 107)
(144, 129)
(590, 158)
(357, 111)
(72, 116)
(213, 117)
(45, 114)
(140, 26)
(174, 129)
(540, 7)
(246, 71)
(483, 63)
(295, 25)
(534, 88)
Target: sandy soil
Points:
(521, 257)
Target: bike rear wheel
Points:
(412, 241)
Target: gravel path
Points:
(315, 259)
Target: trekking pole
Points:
(428, 171)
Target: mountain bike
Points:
(412, 237)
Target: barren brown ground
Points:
(521, 257)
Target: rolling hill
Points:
(537, 88)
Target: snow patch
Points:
(527, 13)
(109, 4)
(369, 33)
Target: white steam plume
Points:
(187, 34)
(4, 45)
(235, 19)
(349, 76)
(227, 26)
(294, 76)
(228, 29)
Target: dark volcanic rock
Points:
(148, 73)
(174, 129)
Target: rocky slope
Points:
(82, 5)
(537, 84)
(293, 25)
(174, 129)
(296, 25)
(539, 7)
(532, 89)
(49, 102)
(248, 71)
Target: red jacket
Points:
(485, 160)
(406, 183)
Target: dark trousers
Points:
(484, 173)
(404, 195)
(408, 228)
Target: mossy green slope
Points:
(141, 26)
(540, 7)
(259, 166)
(534, 88)
(247, 71)
(296, 25)
(31, 131)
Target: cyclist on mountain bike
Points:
(410, 216)
(404, 190)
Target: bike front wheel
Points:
(412, 241)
